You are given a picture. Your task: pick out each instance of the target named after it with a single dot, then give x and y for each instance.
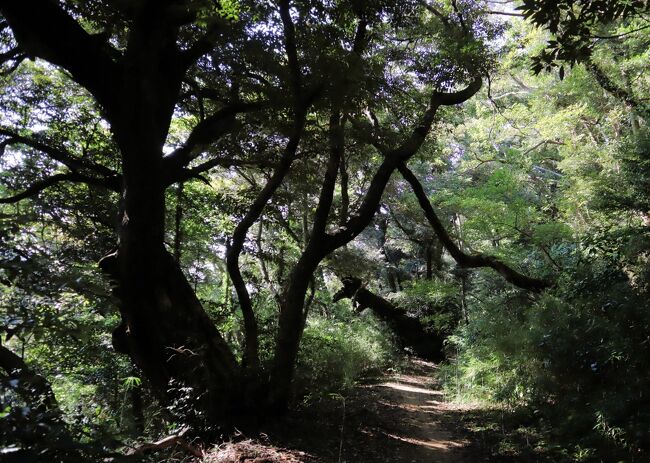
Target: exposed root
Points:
(174, 441)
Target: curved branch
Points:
(454, 98)
(16, 55)
(437, 13)
(392, 159)
(326, 197)
(618, 36)
(468, 260)
(236, 244)
(38, 187)
(195, 172)
(409, 331)
(33, 388)
(206, 132)
(16, 62)
(610, 86)
(9, 55)
(203, 44)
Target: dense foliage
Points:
(564, 162)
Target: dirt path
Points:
(409, 411)
(403, 419)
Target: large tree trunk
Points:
(169, 336)
(164, 328)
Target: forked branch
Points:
(44, 29)
(205, 133)
(392, 159)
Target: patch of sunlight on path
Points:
(413, 409)
(407, 388)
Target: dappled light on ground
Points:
(408, 388)
(403, 418)
(433, 444)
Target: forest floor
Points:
(399, 417)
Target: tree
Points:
(188, 86)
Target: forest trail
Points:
(406, 421)
(402, 417)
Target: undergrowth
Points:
(567, 369)
(337, 352)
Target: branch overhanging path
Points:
(468, 260)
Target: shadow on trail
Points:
(402, 418)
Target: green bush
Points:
(335, 353)
(578, 355)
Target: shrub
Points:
(335, 353)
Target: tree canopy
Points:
(192, 193)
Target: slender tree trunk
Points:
(345, 195)
(178, 222)
(429, 258)
(463, 296)
(290, 328)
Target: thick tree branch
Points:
(392, 159)
(235, 246)
(11, 68)
(459, 14)
(205, 133)
(462, 259)
(437, 13)
(16, 56)
(44, 30)
(454, 98)
(410, 233)
(336, 141)
(345, 194)
(326, 197)
(9, 55)
(620, 93)
(195, 172)
(33, 388)
(409, 331)
(64, 157)
(337, 135)
(205, 43)
(360, 37)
